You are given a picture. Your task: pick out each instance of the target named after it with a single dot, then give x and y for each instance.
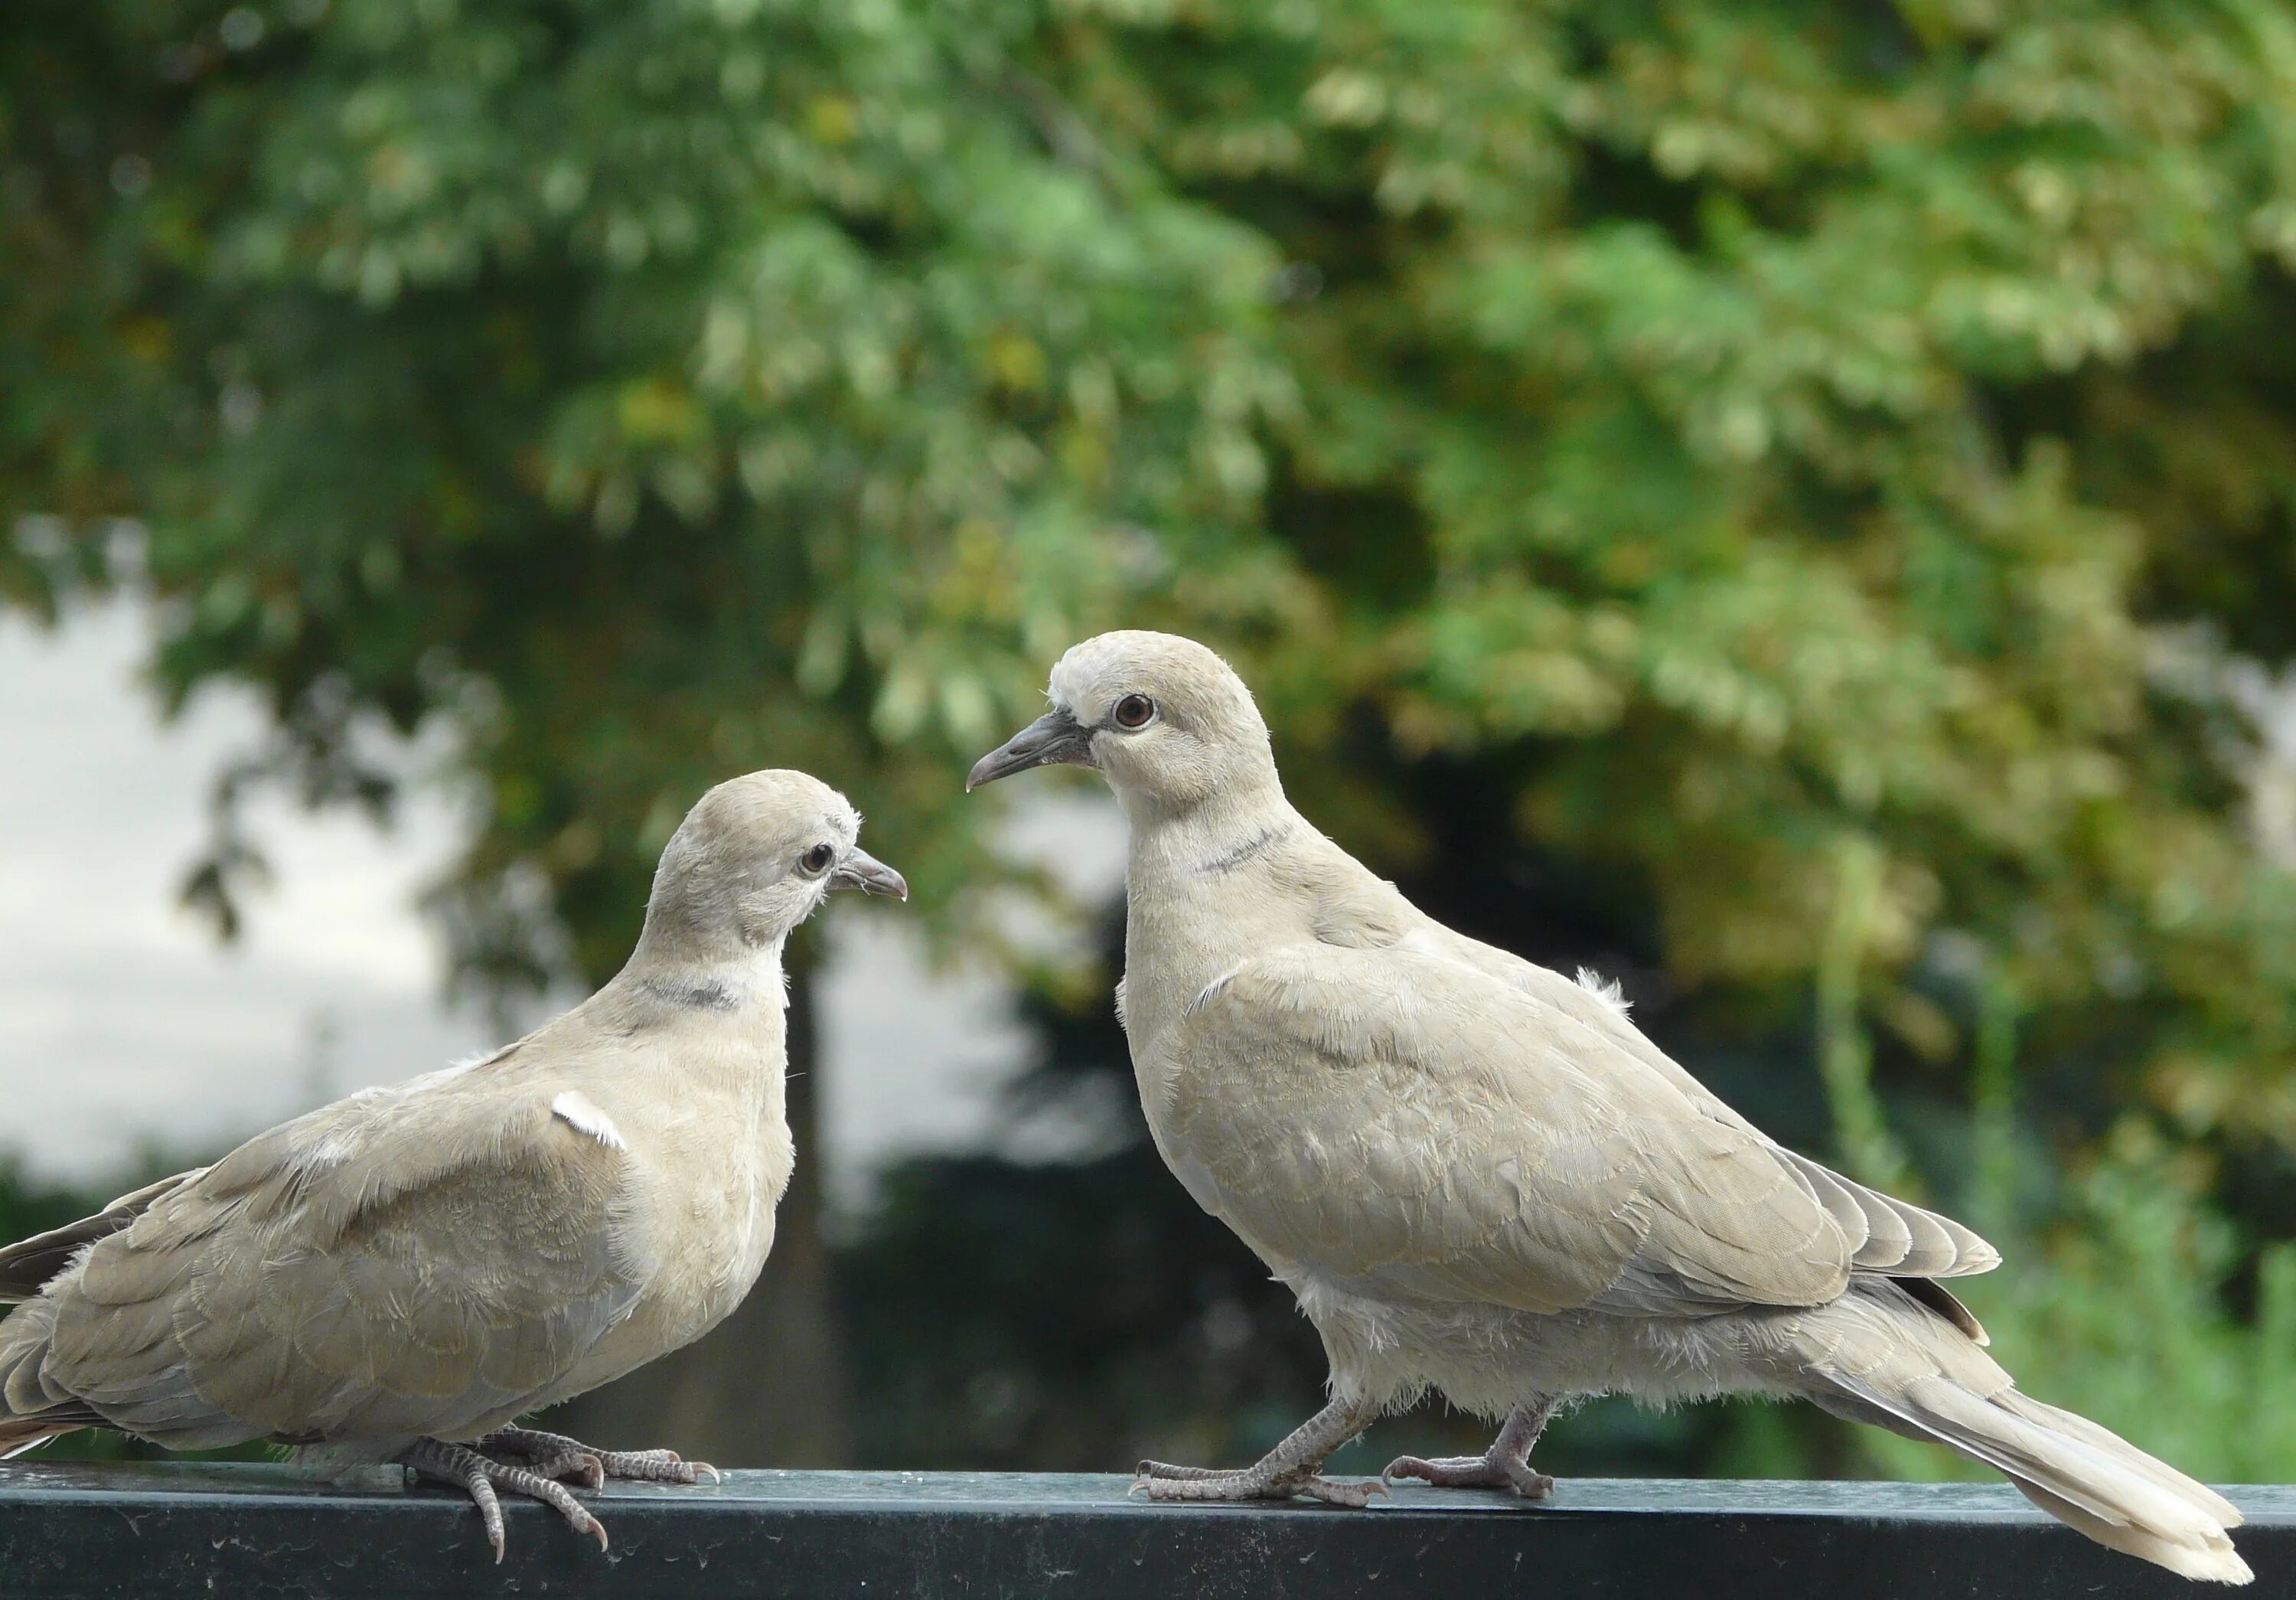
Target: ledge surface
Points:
(184, 1529)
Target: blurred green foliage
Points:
(1789, 501)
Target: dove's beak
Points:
(863, 871)
(1053, 738)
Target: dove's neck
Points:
(1208, 886)
(1206, 838)
(718, 1022)
(733, 978)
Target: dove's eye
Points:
(1134, 711)
(816, 861)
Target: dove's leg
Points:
(1288, 1469)
(478, 1476)
(1506, 1464)
(556, 1456)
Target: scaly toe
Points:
(490, 1514)
(580, 1465)
(1530, 1485)
(1186, 1474)
(1209, 1485)
(1471, 1472)
(1437, 1473)
(653, 1467)
(561, 1500)
(1354, 1495)
(1249, 1486)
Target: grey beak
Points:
(863, 871)
(1053, 738)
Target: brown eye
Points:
(1134, 711)
(816, 861)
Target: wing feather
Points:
(1413, 1127)
(27, 1265)
(400, 1262)
(1891, 1235)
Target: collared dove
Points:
(1479, 1178)
(400, 1275)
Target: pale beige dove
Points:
(400, 1276)
(1479, 1178)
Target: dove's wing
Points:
(1405, 1123)
(1886, 1234)
(27, 1265)
(405, 1263)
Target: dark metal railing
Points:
(243, 1532)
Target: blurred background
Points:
(1793, 505)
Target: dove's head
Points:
(1166, 721)
(755, 857)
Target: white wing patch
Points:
(1608, 990)
(1210, 989)
(579, 1114)
(332, 1151)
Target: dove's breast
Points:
(709, 1162)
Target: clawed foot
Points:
(1506, 1464)
(1473, 1471)
(543, 1459)
(1162, 1480)
(478, 1476)
(556, 1456)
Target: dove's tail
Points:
(1877, 1356)
(19, 1434)
(28, 1416)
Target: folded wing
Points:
(398, 1264)
(1889, 1235)
(1417, 1127)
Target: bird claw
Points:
(1171, 1483)
(553, 1454)
(1165, 1469)
(592, 1526)
(491, 1515)
(582, 1466)
(656, 1466)
(1353, 1496)
(1471, 1472)
(561, 1499)
(481, 1476)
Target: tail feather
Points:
(33, 1412)
(2104, 1439)
(1876, 1356)
(19, 1434)
(24, 1341)
(2203, 1562)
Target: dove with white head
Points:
(400, 1276)
(1479, 1178)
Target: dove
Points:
(402, 1274)
(1479, 1178)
